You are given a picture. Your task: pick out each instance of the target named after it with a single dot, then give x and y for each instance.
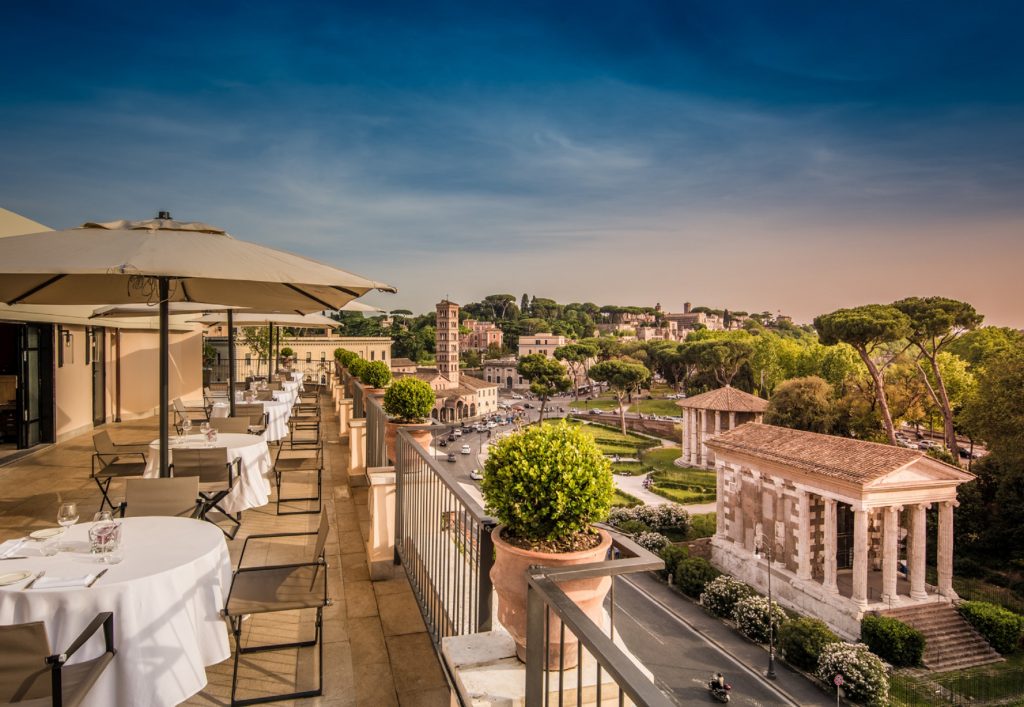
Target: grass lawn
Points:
(621, 498)
(611, 441)
(681, 485)
(631, 468)
(1000, 683)
(667, 408)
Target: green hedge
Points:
(673, 555)
(801, 641)
(692, 575)
(892, 640)
(1002, 628)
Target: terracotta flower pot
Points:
(422, 437)
(370, 392)
(508, 575)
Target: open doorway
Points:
(26, 386)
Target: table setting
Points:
(252, 489)
(166, 598)
(278, 414)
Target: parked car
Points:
(452, 436)
(595, 412)
(458, 432)
(465, 450)
(528, 406)
(451, 456)
(443, 442)
(476, 475)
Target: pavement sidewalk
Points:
(750, 655)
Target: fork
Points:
(29, 585)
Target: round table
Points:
(252, 489)
(166, 597)
(278, 414)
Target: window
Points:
(383, 355)
(323, 355)
(371, 354)
(248, 359)
(309, 357)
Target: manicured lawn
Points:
(667, 408)
(612, 441)
(631, 468)
(681, 485)
(621, 498)
(999, 683)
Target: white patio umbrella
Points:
(120, 311)
(160, 261)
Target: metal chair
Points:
(115, 461)
(294, 460)
(264, 395)
(257, 415)
(282, 587)
(231, 425)
(216, 476)
(30, 674)
(162, 497)
(181, 411)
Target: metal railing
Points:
(443, 540)
(376, 431)
(355, 386)
(612, 669)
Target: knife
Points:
(94, 579)
(29, 585)
(15, 557)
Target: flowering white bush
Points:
(721, 594)
(864, 676)
(663, 516)
(751, 614)
(654, 542)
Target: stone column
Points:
(357, 452)
(380, 545)
(860, 556)
(803, 537)
(720, 502)
(732, 420)
(890, 551)
(702, 452)
(944, 558)
(718, 422)
(831, 531)
(687, 429)
(918, 540)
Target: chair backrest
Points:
(253, 411)
(231, 425)
(161, 497)
(210, 465)
(103, 443)
(179, 406)
(264, 395)
(219, 387)
(275, 385)
(321, 537)
(24, 674)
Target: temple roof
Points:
(726, 399)
(840, 458)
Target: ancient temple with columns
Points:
(710, 414)
(843, 521)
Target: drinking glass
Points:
(67, 515)
(204, 427)
(186, 425)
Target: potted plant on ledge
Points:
(408, 402)
(375, 375)
(546, 486)
(287, 356)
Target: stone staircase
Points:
(950, 642)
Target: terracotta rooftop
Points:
(839, 458)
(402, 363)
(727, 399)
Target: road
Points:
(681, 660)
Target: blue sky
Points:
(756, 155)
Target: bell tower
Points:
(446, 343)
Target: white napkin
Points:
(63, 582)
(11, 547)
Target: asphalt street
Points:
(682, 660)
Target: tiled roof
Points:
(727, 399)
(475, 383)
(840, 458)
(402, 362)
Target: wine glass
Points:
(186, 425)
(67, 514)
(204, 427)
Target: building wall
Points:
(540, 343)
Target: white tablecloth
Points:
(166, 597)
(252, 489)
(278, 414)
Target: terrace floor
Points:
(376, 651)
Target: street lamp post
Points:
(771, 624)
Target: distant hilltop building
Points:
(458, 396)
(481, 337)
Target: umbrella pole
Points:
(231, 362)
(270, 350)
(164, 388)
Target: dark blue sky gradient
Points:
(629, 152)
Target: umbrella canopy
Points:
(119, 262)
(246, 318)
(160, 261)
(355, 306)
(119, 311)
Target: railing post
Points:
(380, 544)
(357, 453)
(485, 588)
(536, 641)
(344, 416)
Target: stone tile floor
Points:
(376, 649)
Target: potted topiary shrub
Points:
(546, 486)
(287, 354)
(408, 402)
(375, 376)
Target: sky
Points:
(782, 156)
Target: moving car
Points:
(465, 450)
(451, 456)
(476, 475)
(443, 442)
